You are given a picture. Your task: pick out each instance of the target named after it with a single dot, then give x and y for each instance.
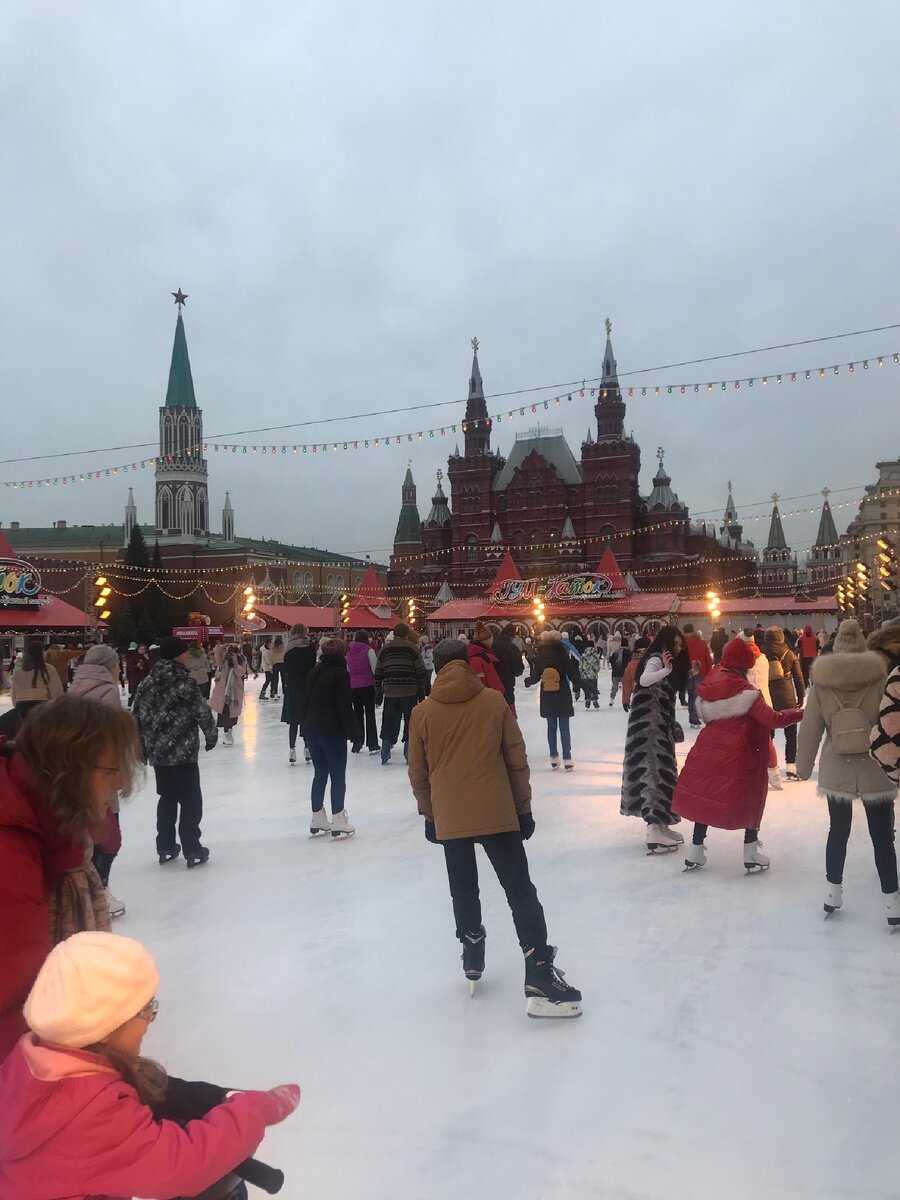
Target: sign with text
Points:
(557, 587)
(20, 584)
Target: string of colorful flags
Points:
(357, 443)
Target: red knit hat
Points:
(737, 656)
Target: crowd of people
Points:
(76, 999)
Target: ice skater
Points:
(400, 679)
(843, 705)
(469, 773)
(76, 1089)
(555, 669)
(650, 771)
(168, 709)
(725, 780)
(228, 690)
(327, 722)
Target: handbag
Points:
(677, 732)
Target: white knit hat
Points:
(89, 985)
(850, 638)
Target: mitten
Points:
(431, 833)
(526, 825)
(278, 1103)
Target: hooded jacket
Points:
(71, 1126)
(29, 686)
(299, 660)
(510, 665)
(230, 676)
(467, 762)
(33, 855)
(485, 664)
(854, 680)
(94, 682)
(168, 708)
(724, 780)
(809, 643)
(551, 652)
(787, 691)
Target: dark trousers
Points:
(507, 856)
(790, 744)
(428, 678)
(277, 678)
(805, 664)
(363, 700)
(103, 864)
(693, 715)
(329, 756)
(589, 686)
(268, 682)
(205, 689)
(397, 709)
(178, 785)
(700, 832)
(880, 817)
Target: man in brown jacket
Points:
(469, 773)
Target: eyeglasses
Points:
(108, 770)
(149, 1011)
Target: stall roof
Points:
(322, 618)
(761, 605)
(57, 614)
(646, 603)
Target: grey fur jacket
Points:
(856, 680)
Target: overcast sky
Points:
(350, 191)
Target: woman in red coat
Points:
(725, 779)
(70, 760)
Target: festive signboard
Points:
(557, 587)
(20, 584)
(197, 633)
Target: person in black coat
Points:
(327, 722)
(786, 690)
(299, 660)
(510, 664)
(717, 643)
(555, 669)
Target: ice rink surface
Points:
(733, 1043)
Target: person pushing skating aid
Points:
(469, 773)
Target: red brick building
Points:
(557, 513)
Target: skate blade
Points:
(894, 925)
(314, 833)
(541, 1008)
(472, 983)
(692, 866)
(338, 835)
(755, 868)
(653, 847)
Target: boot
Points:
(228, 739)
(664, 838)
(695, 857)
(473, 956)
(340, 825)
(834, 898)
(319, 823)
(893, 910)
(775, 779)
(547, 991)
(292, 756)
(554, 761)
(568, 765)
(754, 859)
(116, 907)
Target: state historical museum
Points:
(557, 513)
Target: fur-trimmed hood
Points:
(849, 672)
(551, 635)
(724, 694)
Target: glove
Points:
(528, 682)
(278, 1103)
(431, 833)
(212, 743)
(378, 699)
(356, 747)
(526, 825)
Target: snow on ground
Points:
(733, 1043)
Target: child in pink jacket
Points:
(77, 1100)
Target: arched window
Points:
(307, 581)
(339, 582)
(164, 507)
(185, 510)
(329, 583)
(298, 581)
(471, 548)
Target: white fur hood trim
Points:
(734, 706)
(849, 672)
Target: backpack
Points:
(850, 730)
(550, 679)
(776, 670)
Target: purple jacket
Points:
(359, 665)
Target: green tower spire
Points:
(180, 392)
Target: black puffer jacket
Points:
(786, 691)
(510, 665)
(325, 707)
(552, 653)
(299, 660)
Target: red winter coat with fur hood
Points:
(725, 779)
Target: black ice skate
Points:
(197, 858)
(168, 856)
(548, 994)
(473, 956)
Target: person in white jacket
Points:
(265, 661)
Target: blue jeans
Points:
(561, 723)
(693, 715)
(329, 757)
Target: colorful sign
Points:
(197, 633)
(557, 587)
(20, 584)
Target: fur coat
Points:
(650, 771)
(885, 739)
(855, 680)
(228, 686)
(725, 780)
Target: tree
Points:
(136, 553)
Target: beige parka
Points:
(852, 679)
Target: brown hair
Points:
(62, 741)
(147, 1077)
(33, 660)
